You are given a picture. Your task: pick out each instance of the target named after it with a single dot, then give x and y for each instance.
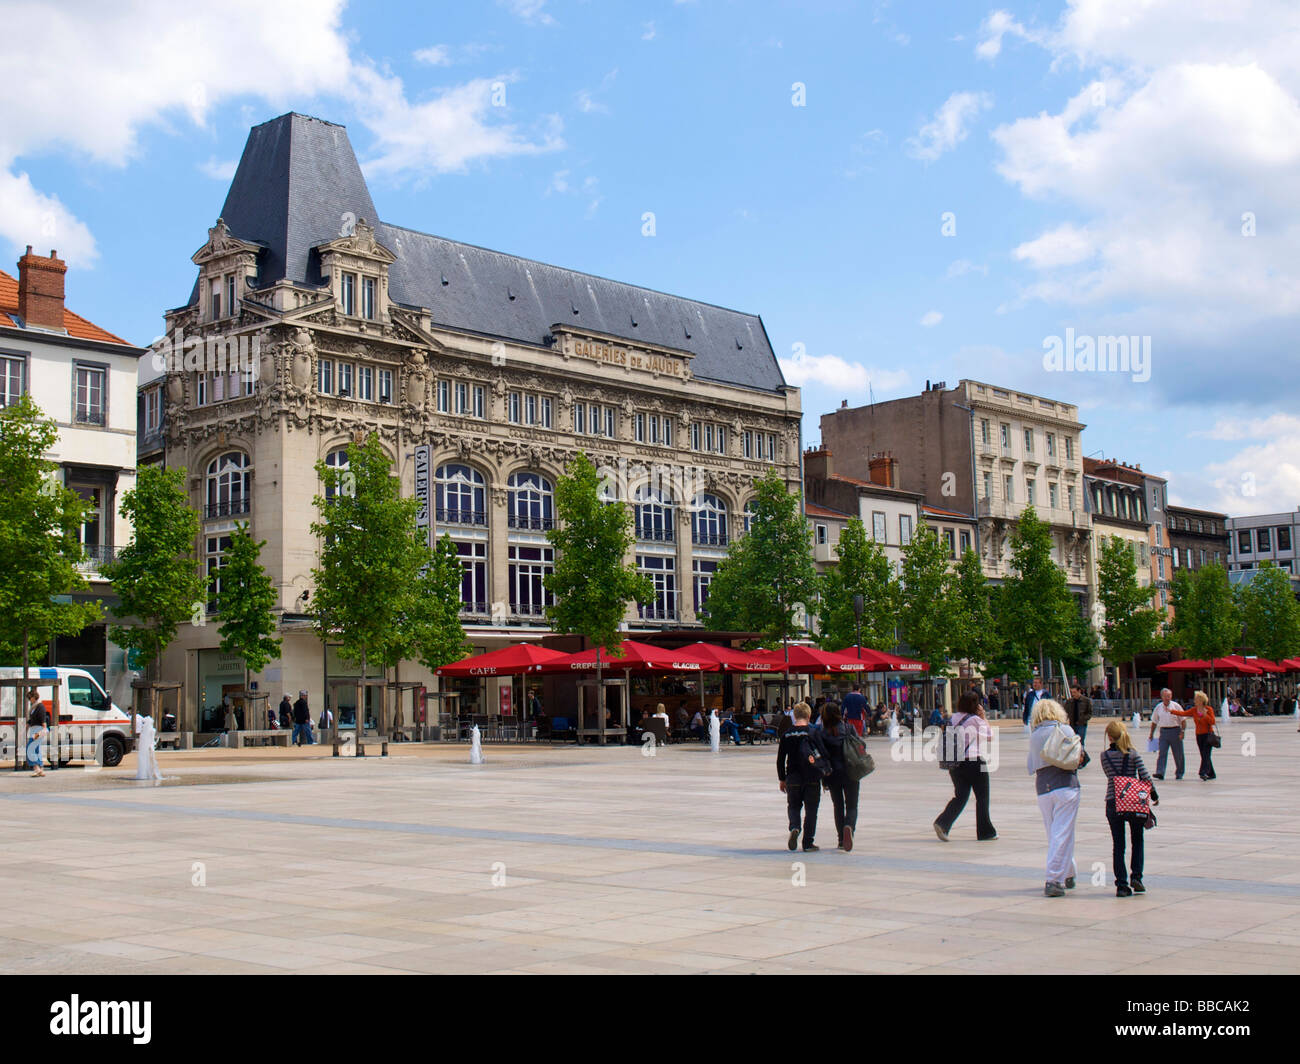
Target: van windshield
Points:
(84, 692)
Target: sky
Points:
(904, 192)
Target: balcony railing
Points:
(90, 417)
(474, 609)
(527, 609)
(527, 523)
(658, 612)
(459, 516)
(233, 508)
(97, 555)
(655, 535)
(709, 539)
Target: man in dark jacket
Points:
(799, 780)
(1079, 710)
(301, 719)
(1034, 695)
(286, 712)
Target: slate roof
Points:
(299, 179)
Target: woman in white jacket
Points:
(1058, 795)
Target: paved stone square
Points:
(560, 859)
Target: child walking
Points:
(1120, 760)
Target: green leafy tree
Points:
(1079, 645)
(432, 614)
(1036, 604)
(1270, 613)
(371, 558)
(1208, 619)
(863, 570)
(155, 576)
(1129, 622)
(40, 544)
(926, 599)
(245, 603)
(974, 635)
(591, 583)
(768, 579)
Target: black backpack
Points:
(952, 745)
(813, 764)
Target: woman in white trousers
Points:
(1058, 796)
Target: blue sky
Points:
(1101, 166)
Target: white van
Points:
(91, 727)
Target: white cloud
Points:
(443, 134)
(648, 32)
(559, 183)
(930, 319)
(219, 169)
(1186, 142)
(802, 369)
(948, 127)
(31, 217)
(586, 99)
(996, 26)
(1262, 477)
(434, 55)
(68, 90)
(961, 267)
(530, 10)
(1065, 245)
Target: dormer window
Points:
(230, 294)
(349, 294)
(216, 299)
(368, 298)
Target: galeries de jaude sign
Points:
(629, 358)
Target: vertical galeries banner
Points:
(422, 516)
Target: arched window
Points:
(229, 480)
(462, 496)
(654, 515)
(531, 502)
(336, 459)
(709, 521)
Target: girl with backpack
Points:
(969, 727)
(843, 789)
(1054, 754)
(1125, 774)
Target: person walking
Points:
(286, 712)
(301, 712)
(1202, 716)
(855, 709)
(1120, 759)
(796, 760)
(1166, 718)
(1032, 697)
(38, 720)
(969, 729)
(301, 719)
(1058, 795)
(1079, 710)
(843, 790)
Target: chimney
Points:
(40, 290)
(818, 464)
(883, 469)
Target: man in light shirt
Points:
(1168, 716)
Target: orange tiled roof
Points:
(75, 324)
(813, 510)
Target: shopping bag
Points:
(1153, 746)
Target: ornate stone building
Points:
(483, 374)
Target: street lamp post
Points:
(857, 618)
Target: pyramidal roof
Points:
(298, 184)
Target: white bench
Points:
(274, 736)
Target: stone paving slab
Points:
(566, 859)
